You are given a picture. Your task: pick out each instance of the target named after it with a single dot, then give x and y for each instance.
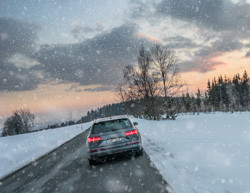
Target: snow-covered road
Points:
(195, 153)
(67, 170)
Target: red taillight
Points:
(92, 139)
(133, 132)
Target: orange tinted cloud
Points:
(148, 37)
(202, 64)
(229, 64)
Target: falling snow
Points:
(195, 153)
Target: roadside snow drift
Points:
(20, 150)
(195, 153)
(201, 153)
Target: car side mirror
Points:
(135, 123)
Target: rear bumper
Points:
(113, 151)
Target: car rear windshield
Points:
(111, 125)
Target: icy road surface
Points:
(67, 170)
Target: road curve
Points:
(67, 170)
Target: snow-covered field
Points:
(20, 150)
(205, 154)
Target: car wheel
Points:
(139, 153)
(92, 162)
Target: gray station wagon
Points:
(113, 135)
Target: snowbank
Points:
(205, 153)
(20, 150)
(195, 153)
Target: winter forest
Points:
(222, 94)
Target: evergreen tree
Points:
(198, 100)
(188, 102)
(236, 91)
(206, 102)
(245, 90)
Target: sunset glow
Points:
(58, 57)
(55, 98)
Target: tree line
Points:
(228, 94)
(152, 90)
(222, 94)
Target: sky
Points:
(62, 56)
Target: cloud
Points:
(206, 12)
(139, 8)
(94, 88)
(148, 37)
(179, 42)
(80, 32)
(204, 59)
(16, 37)
(227, 44)
(247, 55)
(222, 25)
(17, 40)
(17, 79)
(215, 15)
(199, 65)
(218, 47)
(96, 61)
(100, 89)
(21, 61)
(219, 15)
(99, 60)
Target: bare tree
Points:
(70, 119)
(141, 84)
(157, 74)
(22, 121)
(164, 64)
(27, 119)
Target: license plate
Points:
(113, 140)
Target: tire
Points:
(92, 162)
(139, 153)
